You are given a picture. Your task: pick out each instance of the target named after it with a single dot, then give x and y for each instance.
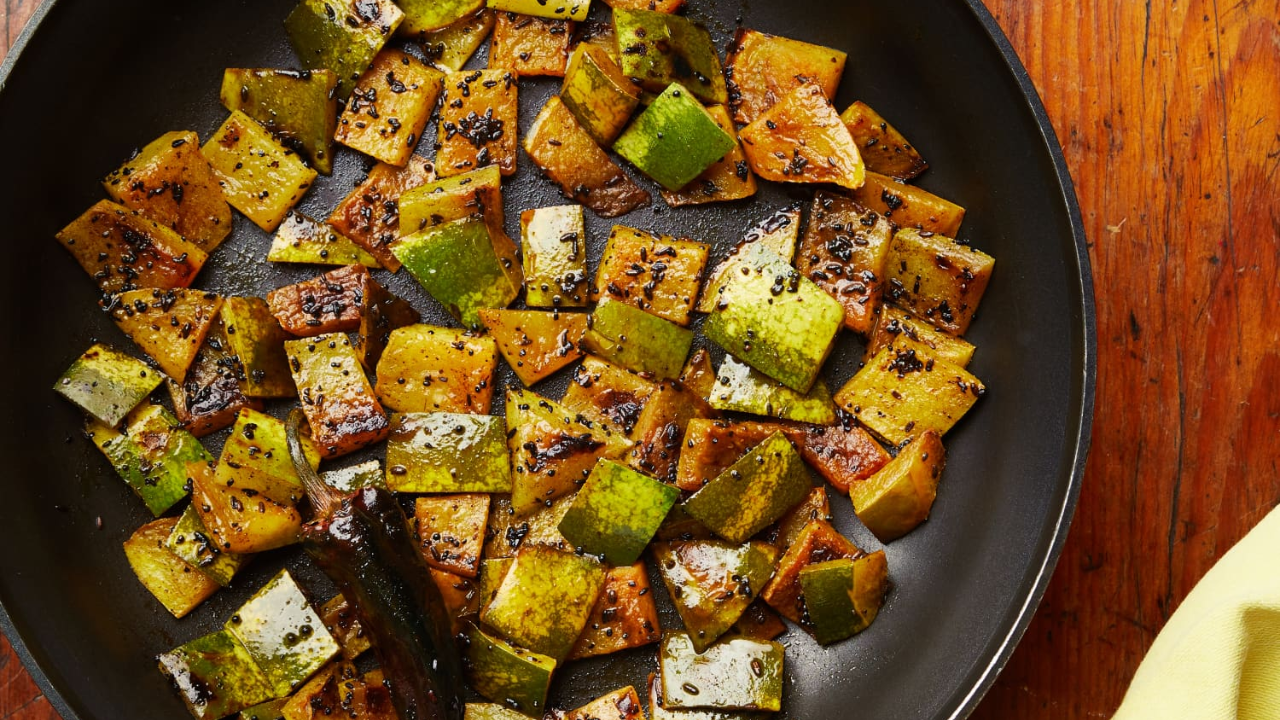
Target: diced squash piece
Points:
(343, 624)
(655, 273)
(421, 16)
(617, 512)
(815, 506)
(490, 711)
(779, 233)
(660, 49)
(801, 140)
(885, 150)
(507, 532)
(283, 633)
(451, 47)
(190, 540)
(763, 68)
(257, 452)
(711, 446)
(491, 574)
(459, 265)
(341, 408)
(899, 330)
(328, 304)
(507, 674)
(661, 427)
(607, 394)
(599, 34)
(320, 697)
(894, 501)
(269, 710)
(530, 45)
(170, 182)
(169, 325)
(844, 454)
(742, 389)
(370, 213)
(151, 455)
(845, 251)
(637, 340)
(447, 453)
(870, 585)
(257, 340)
(712, 583)
(621, 704)
(478, 122)
(729, 178)
(341, 35)
(571, 158)
(625, 615)
(451, 529)
(560, 9)
(545, 600)
(213, 392)
(699, 377)
(842, 597)
(907, 206)
(536, 344)
(473, 194)
(818, 542)
(737, 674)
(900, 394)
(754, 492)
(937, 279)
(238, 521)
(658, 710)
(666, 6)
(675, 139)
(122, 250)
(598, 94)
(759, 622)
(306, 241)
(389, 107)
(356, 477)
(461, 598)
(435, 369)
(259, 177)
(177, 585)
(381, 314)
(215, 676)
(555, 256)
(300, 108)
(107, 384)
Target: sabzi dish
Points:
(493, 534)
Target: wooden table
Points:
(1169, 114)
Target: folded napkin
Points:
(1219, 656)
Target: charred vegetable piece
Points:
(763, 68)
(283, 634)
(215, 676)
(737, 674)
(759, 622)
(598, 94)
(461, 599)
(899, 330)
(818, 542)
(895, 500)
(421, 16)
(170, 182)
(536, 344)
(675, 139)
(370, 214)
(389, 107)
(845, 251)
(476, 193)
(340, 405)
(885, 150)
(754, 492)
(530, 45)
(571, 158)
(844, 454)
(330, 303)
(177, 585)
(449, 48)
(801, 140)
(621, 704)
(729, 178)
(617, 512)
(269, 710)
(319, 697)
(666, 6)
(842, 597)
(340, 619)
(741, 389)
(259, 177)
(491, 574)
(381, 314)
(557, 9)
(625, 615)
(257, 340)
(699, 377)
(458, 264)
(490, 711)
(937, 279)
(213, 392)
(505, 673)
(257, 448)
(169, 325)
(908, 206)
(660, 49)
(772, 318)
(555, 256)
(637, 340)
(658, 711)
(447, 453)
(299, 239)
(107, 384)
(779, 233)
(712, 583)
(545, 599)
(356, 477)
(507, 532)
(122, 250)
(711, 446)
(451, 530)
(900, 394)
(435, 369)
(661, 427)
(607, 394)
(815, 506)
(655, 273)
(240, 520)
(300, 108)
(191, 541)
(478, 122)
(341, 35)
(150, 455)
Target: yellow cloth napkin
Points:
(1219, 656)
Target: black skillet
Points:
(88, 81)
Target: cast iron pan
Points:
(97, 79)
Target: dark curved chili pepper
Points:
(363, 543)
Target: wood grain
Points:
(1169, 114)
